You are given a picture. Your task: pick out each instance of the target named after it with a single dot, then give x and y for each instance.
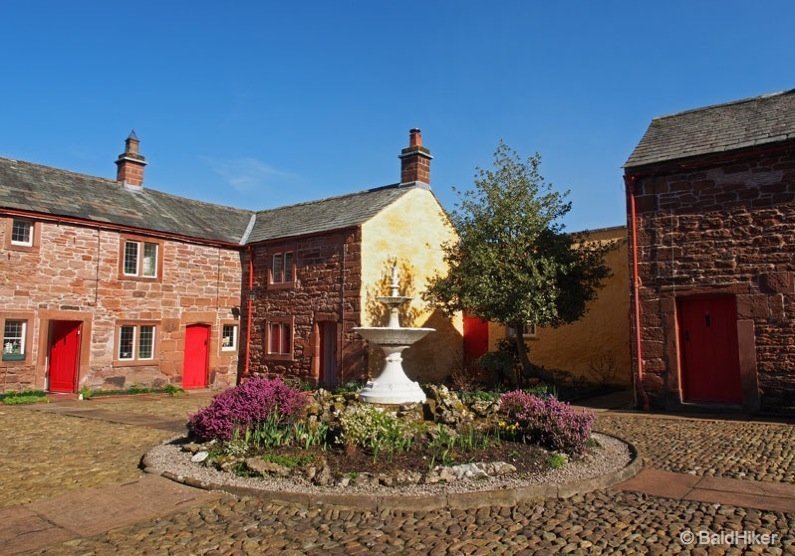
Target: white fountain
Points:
(392, 386)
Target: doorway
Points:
(196, 359)
(64, 355)
(710, 361)
(328, 354)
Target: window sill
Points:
(136, 363)
(279, 356)
(13, 357)
(229, 351)
(283, 285)
(139, 278)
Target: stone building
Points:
(593, 349)
(109, 283)
(318, 266)
(711, 219)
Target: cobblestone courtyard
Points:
(48, 454)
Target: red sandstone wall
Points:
(74, 275)
(327, 288)
(728, 229)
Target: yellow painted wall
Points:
(412, 229)
(595, 348)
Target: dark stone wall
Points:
(326, 287)
(722, 228)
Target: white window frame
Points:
(29, 224)
(233, 345)
(21, 339)
(139, 258)
(135, 352)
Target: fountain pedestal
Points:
(392, 386)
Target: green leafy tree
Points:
(513, 263)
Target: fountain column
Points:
(392, 386)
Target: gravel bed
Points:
(612, 455)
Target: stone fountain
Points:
(392, 386)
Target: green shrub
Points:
(557, 460)
(374, 430)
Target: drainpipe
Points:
(249, 316)
(640, 391)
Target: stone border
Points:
(458, 500)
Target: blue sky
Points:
(260, 104)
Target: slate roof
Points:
(42, 189)
(324, 215)
(713, 129)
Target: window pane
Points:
(22, 232)
(286, 339)
(276, 334)
(14, 337)
(277, 268)
(126, 339)
(150, 259)
(229, 337)
(131, 258)
(146, 342)
(288, 267)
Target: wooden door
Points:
(328, 354)
(710, 361)
(64, 355)
(197, 342)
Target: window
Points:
(136, 342)
(140, 259)
(280, 338)
(529, 330)
(22, 233)
(14, 333)
(282, 269)
(229, 337)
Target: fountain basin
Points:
(392, 386)
(386, 336)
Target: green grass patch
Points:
(24, 397)
(169, 389)
(557, 460)
(290, 461)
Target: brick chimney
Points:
(130, 164)
(415, 161)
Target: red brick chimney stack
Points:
(415, 161)
(131, 164)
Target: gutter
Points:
(640, 391)
(249, 317)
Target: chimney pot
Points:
(415, 137)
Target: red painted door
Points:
(476, 339)
(197, 342)
(64, 355)
(710, 360)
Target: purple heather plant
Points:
(245, 405)
(548, 421)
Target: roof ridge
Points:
(722, 104)
(335, 197)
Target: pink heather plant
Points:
(245, 405)
(549, 422)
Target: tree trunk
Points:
(524, 360)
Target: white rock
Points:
(199, 457)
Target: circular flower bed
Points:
(266, 430)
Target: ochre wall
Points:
(73, 274)
(596, 347)
(413, 230)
